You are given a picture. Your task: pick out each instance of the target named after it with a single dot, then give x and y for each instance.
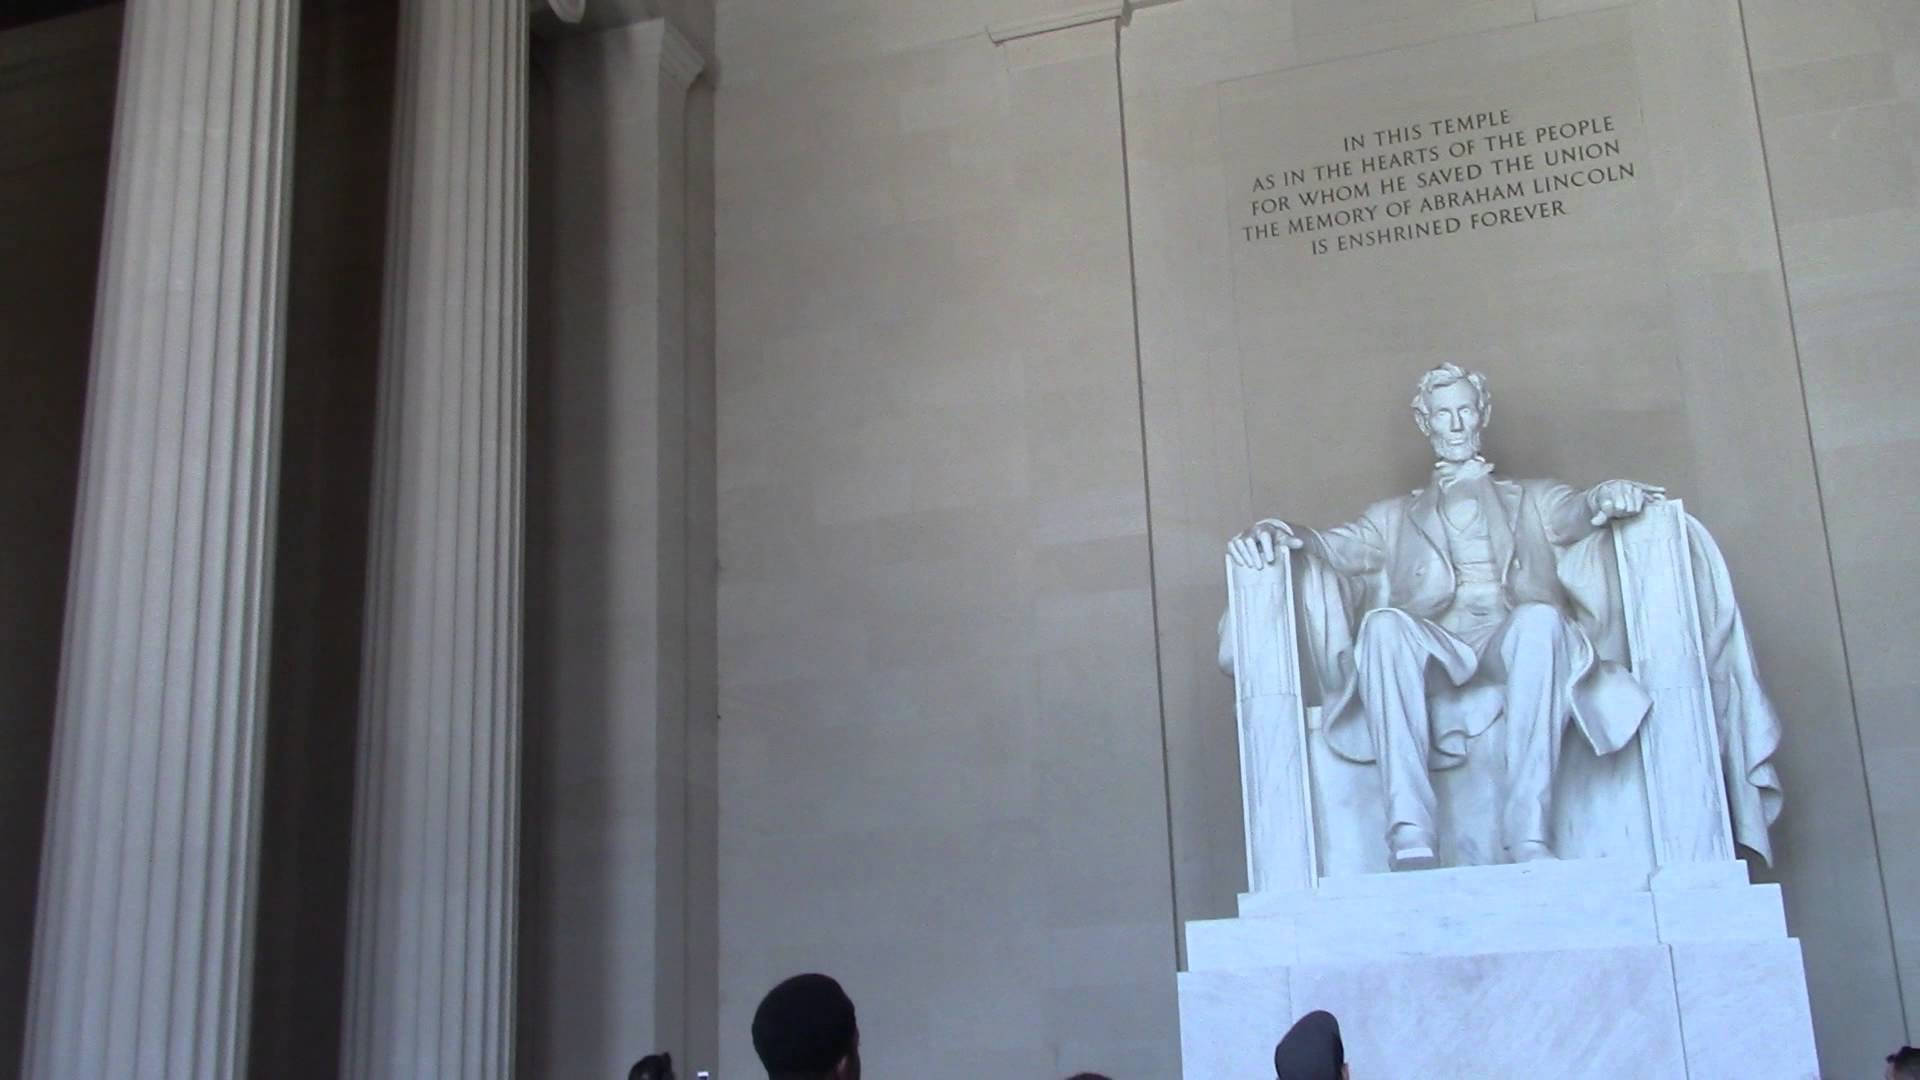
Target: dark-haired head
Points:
(1311, 1050)
(804, 1029)
(652, 1067)
(1904, 1064)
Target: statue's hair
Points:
(1446, 375)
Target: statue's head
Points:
(1451, 406)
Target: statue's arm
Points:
(1358, 547)
(1571, 514)
(1565, 511)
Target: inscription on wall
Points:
(1429, 177)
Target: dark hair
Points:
(1311, 1050)
(1906, 1063)
(1088, 1076)
(652, 1067)
(804, 1028)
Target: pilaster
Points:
(616, 445)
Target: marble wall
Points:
(1657, 336)
(1645, 333)
(940, 759)
(1838, 84)
(972, 757)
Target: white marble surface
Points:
(1752, 913)
(945, 649)
(1238, 944)
(1700, 875)
(143, 950)
(1743, 1009)
(1544, 877)
(1633, 595)
(1678, 302)
(1230, 1021)
(1838, 84)
(1507, 879)
(1575, 968)
(1360, 930)
(434, 892)
(1583, 1013)
(1257, 636)
(1593, 1013)
(1369, 928)
(1686, 780)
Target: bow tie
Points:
(1449, 473)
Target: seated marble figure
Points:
(1480, 598)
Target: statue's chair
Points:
(1660, 800)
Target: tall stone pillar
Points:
(142, 951)
(618, 699)
(430, 966)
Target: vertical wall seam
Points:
(1146, 488)
(1826, 528)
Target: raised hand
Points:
(1621, 499)
(1257, 546)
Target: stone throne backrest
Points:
(1661, 800)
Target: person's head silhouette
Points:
(805, 1029)
(1311, 1050)
(652, 1067)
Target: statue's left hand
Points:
(1621, 499)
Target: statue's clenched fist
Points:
(1621, 499)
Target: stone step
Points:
(1554, 877)
(1706, 1010)
(1491, 910)
(1360, 928)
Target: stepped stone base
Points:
(1582, 968)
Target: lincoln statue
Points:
(1463, 591)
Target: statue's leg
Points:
(1535, 651)
(1390, 655)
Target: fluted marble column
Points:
(431, 926)
(142, 950)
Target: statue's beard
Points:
(1446, 449)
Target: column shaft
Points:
(432, 920)
(616, 583)
(143, 945)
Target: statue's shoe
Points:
(1412, 849)
(1531, 851)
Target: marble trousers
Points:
(1529, 655)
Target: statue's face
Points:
(1454, 421)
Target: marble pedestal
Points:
(1581, 968)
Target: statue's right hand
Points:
(1257, 546)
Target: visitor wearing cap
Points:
(804, 1030)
